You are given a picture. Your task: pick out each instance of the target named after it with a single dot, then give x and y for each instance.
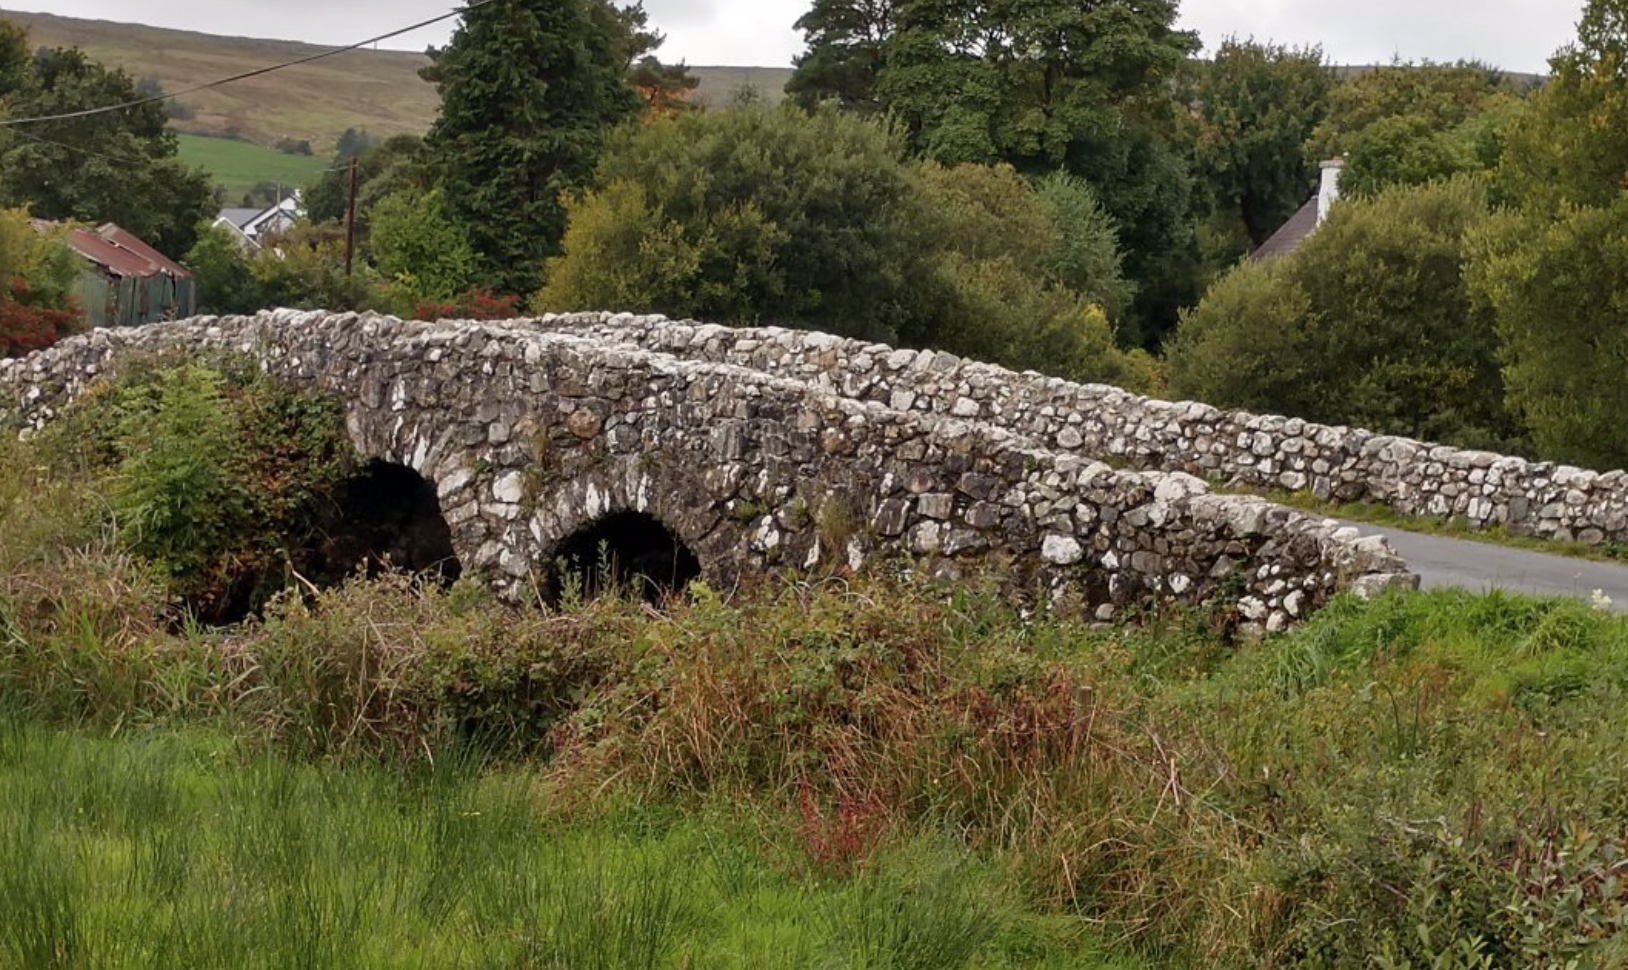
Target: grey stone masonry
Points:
(530, 435)
(1242, 449)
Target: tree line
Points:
(1058, 186)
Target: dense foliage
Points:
(221, 480)
(528, 88)
(1257, 106)
(747, 216)
(1559, 287)
(37, 273)
(1369, 322)
(818, 221)
(115, 167)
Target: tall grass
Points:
(180, 850)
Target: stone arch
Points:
(656, 500)
(631, 550)
(389, 517)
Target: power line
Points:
(156, 99)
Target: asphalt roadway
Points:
(1481, 566)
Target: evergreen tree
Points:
(846, 40)
(528, 89)
(664, 87)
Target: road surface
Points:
(1481, 566)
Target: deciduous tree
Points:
(1370, 322)
(120, 166)
(1572, 146)
(1559, 287)
(1257, 105)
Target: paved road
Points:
(1481, 566)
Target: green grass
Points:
(179, 850)
(240, 165)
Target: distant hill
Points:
(376, 90)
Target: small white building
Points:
(253, 226)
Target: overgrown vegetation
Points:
(1418, 781)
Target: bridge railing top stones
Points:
(1264, 452)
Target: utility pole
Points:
(350, 222)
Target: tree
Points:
(1082, 86)
(528, 89)
(750, 215)
(816, 221)
(664, 87)
(1409, 124)
(382, 169)
(225, 281)
(1370, 322)
(1257, 105)
(115, 167)
(1572, 146)
(1559, 288)
(1018, 270)
(423, 255)
(846, 40)
(14, 58)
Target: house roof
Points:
(239, 217)
(1294, 232)
(124, 239)
(122, 254)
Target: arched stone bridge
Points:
(534, 436)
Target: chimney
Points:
(1330, 192)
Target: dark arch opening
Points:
(389, 518)
(627, 551)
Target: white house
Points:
(252, 226)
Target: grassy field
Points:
(379, 91)
(179, 850)
(240, 165)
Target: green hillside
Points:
(379, 91)
(240, 165)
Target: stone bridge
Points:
(543, 439)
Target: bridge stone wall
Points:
(1105, 423)
(530, 435)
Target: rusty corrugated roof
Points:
(122, 254)
(124, 239)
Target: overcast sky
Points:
(1517, 35)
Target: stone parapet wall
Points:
(530, 435)
(1236, 447)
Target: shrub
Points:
(26, 326)
(1370, 322)
(225, 277)
(749, 215)
(221, 481)
(1559, 288)
(423, 255)
(481, 304)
